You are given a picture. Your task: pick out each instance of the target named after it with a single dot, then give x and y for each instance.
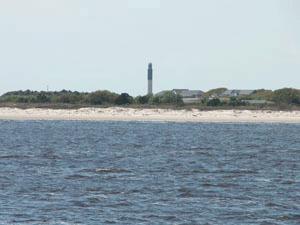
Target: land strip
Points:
(150, 114)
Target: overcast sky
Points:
(89, 45)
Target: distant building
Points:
(150, 75)
(185, 93)
(178, 91)
(160, 93)
(236, 93)
(191, 94)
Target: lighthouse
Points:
(150, 72)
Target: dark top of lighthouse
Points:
(150, 71)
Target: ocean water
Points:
(92, 172)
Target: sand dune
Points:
(119, 113)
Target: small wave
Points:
(95, 200)
(75, 176)
(290, 217)
(29, 221)
(15, 156)
(171, 218)
(109, 222)
(241, 171)
(184, 193)
(94, 189)
(107, 170)
(80, 204)
(288, 182)
(270, 204)
(57, 190)
(152, 216)
(206, 185)
(49, 156)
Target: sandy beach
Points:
(119, 113)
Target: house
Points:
(235, 93)
(160, 93)
(185, 93)
(191, 94)
(178, 91)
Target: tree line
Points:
(94, 98)
(288, 96)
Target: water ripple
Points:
(87, 172)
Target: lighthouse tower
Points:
(150, 72)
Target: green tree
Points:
(214, 102)
(101, 97)
(216, 92)
(42, 97)
(234, 101)
(262, 95)
(287, 95)
(154, 100)
(22, 99)
(143, 99)
(169, 97)
(123, 99)
(71, 98)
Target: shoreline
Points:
(136, 114)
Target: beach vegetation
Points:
(143, 99)
(284, 98)
(167, 98)
(261, 94)
(287, 95)
(43, 97)
(71, 98)
(203, 100)
(154, 100)
(234, 101)
(214, 92)
(214, 102)
(101, 97)
(124, 99)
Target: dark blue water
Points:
(85, 172)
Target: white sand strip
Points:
(118, 113)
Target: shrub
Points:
(5, 98)
(42, 97)
(236, 102)
(101, 97)
(154, 100)
(214, 102)
(204, 100)
(71, 98)
(123, 99)
(22, 99)
(143, 99)
(32, 99)
(216, 92)
(169, 97)
(287, 95)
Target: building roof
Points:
(185, 93)
(178, 91)
(259, 101)
(238, 92)
(191, 93)
(161, 92)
